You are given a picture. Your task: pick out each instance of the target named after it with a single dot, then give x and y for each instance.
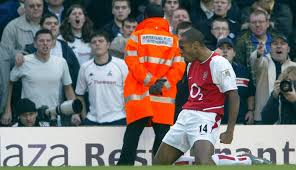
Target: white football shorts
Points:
(192, 126)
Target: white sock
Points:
(222, 159)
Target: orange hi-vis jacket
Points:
(152, 53)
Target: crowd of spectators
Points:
(258, 37)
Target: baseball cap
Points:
(225, 41)
(25, 105)
(281, 36)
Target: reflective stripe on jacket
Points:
(152, 53)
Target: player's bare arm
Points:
(233, 100)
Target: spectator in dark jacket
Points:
(56, 7)
(243, 3)
(142, 7)
(281, 105)
(222, 9)
(293, 39)
(219, 29)
(246, 89)
(280, 15)
(120, 10)
(201, 11)
(96, 9)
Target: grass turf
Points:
(256, 167)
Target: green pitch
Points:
(265, 167)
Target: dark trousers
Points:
(87, 122)
(131, 139)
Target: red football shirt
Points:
(207, 82)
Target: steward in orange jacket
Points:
(152, 54)
(155, 66)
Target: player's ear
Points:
(195, 44)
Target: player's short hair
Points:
(183, 25)
(43, 31)
(101, 33)
(193, 35)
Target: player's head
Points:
(182, 27)
(191, 44)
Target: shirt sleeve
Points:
(81, 85)
(16, 73)
(222, 74)
(21, 71)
